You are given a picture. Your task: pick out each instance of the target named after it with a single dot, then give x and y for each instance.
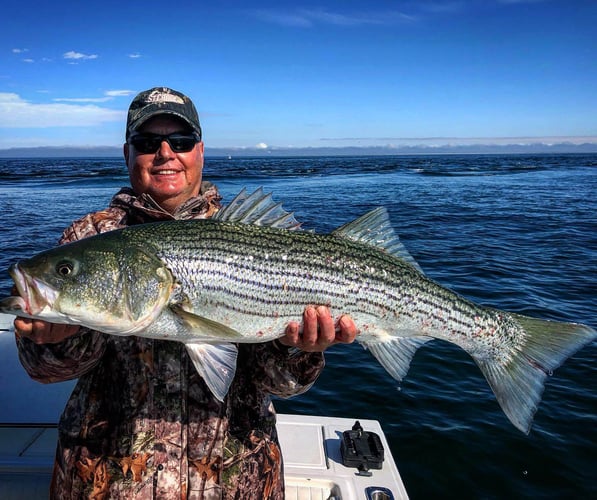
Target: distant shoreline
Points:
(506, 149)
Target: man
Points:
(141, 423)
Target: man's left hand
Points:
(319, 331)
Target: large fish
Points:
(243, 276)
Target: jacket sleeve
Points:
(62, 361)
(75, 355)
(281, 371)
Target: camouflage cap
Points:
(161, 100)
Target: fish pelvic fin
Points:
(216, 363)
(518, 385)
(395, 354)
(215, 356)
(374, 228)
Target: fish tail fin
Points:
(518, 384)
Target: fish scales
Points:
(257, 272)
(212, 284)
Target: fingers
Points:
(319, 331)
(23, 327)
(293, 334)
(42, 332)
(346, 330)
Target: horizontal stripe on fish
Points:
(213, 283)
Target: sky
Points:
(303, 73)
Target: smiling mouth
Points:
(166, 172)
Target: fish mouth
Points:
(34, 295)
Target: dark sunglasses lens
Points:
(181, 143)
(151, 143)
(146, 144)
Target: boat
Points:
(316, 465)
(327, 458)
(311, 447)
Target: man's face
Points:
(170, 178)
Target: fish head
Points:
(103, 282)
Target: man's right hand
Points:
(42, 332)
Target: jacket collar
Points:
(144, 206)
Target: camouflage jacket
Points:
(141, 423)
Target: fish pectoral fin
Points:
(396, 354)
(216, 363)
(205, 327)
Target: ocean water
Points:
(514, 232)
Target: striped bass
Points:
(243, 276)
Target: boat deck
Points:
(310, 446)
(313, 466)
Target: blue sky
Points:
(303, 73)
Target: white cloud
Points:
(19, 51)
(261, 145)
(120, 93)
(305, 18)
(109, 95)
(77, 56)
(82, 99)
(135, 56)
(28, 60)
(16, 112)
(461, 141)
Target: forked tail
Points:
(518, 385)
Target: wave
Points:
(82, 170)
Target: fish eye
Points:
(64, 268)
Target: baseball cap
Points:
(158, 101)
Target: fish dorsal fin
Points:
(258, 209)
(374, 228)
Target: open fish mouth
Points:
(34, 295)
(14, 305)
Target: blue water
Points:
(514, 232)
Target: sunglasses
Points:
(150, 143)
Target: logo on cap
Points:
(158, 96)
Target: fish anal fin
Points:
(395, 354)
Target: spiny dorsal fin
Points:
(258, 209)
(374, 228)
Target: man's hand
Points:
(319, 331)
(42, 332)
